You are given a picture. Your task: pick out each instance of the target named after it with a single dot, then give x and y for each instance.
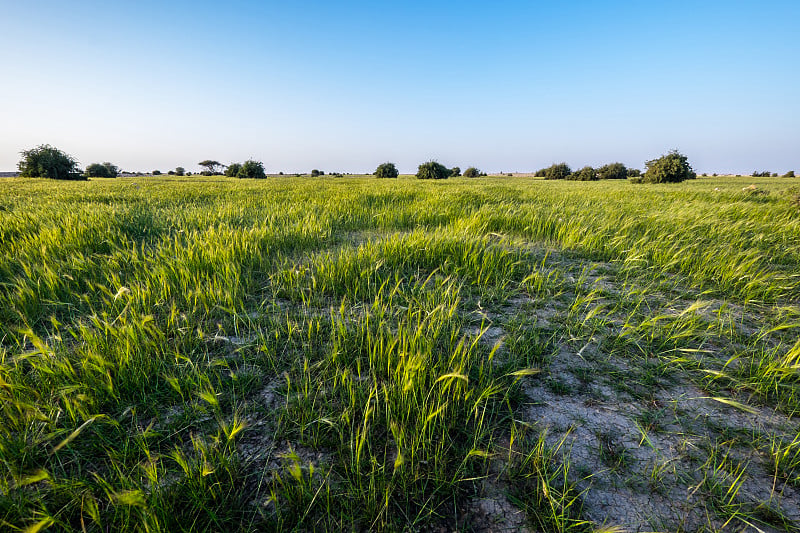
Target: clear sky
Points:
(343, 86)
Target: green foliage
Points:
(211, 166)
(102, 170)
(156, 173)
(670, 168)
(455, 172)
(432, 171)
(789, 174)
(613, 171)
(587, 173)
(472, 172)
(386, 170)
(46, 161)
(233, 170)
(557, 171)
(762, 174)
(180, 171)
(316, 173)
(251, 169)
(634, 172)
(541, 173)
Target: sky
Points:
(343, 86)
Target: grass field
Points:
(212, 354)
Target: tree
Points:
(233, 170)
(455, 172)
(634, 172)
(156, 173)
(557, 171)
(102, 170)
(472, 172)
(670, 168)
(46, 161)
(317, 172)
(612, 171)
(210, 166)
(180, 171)
(789, 174)
(587, 173)
(386, 170)
(432, 171)
(251, 169)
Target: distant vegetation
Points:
(386, 170)
(102, 170)
(556, 171)
(251, 169)
(46, 161)
(670, 168)
(472, 172)
(587, 173)
(432, 171)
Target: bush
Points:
(102, 170)
(557, 171)
(587, 173)
(432, 171)
(789, 174)
(46, 161)
(542, 172)
(634, 172)
(156, 173)
(774, 175)
(315, 173)
(251, 169)
(188, 173)
(233, 170)
(764, 174)
(670, 168)
(472, 172)
(171, 173)
(180, 171)
(386, 170)
(455, 172)
(612, 171)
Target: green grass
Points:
(216, 354)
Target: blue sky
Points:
(343, 86)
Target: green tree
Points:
(211, 166)
(634, 172)
(317, 172)
(670, 168)
(233, 170)
(102, 170)
(180, 171)
(251, 169)
(612, 171)
(455, 172)
(46, 161)
(432, 171)
(386, 170)
(587, 173)
(472, 172)
(789, 174)
(557, 171)
(156, 173)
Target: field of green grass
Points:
(213, 354)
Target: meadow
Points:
(488, 354)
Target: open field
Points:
(493, 354)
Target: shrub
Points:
(634, 172)
(455, 172)
(156, 173)
(789, 174)
(233, 170)
(180, 171)
(316, 172)
(612, 171)
(763, 174)
(670, 168)
(472, 172)
(251, 169)
(46, 161)
(542, 172)
(188, 173)
(207, 173)
(587, 173)
(280, 173)
(432, 171)
(636, 179)
(102, 170)
(557, 171)
(171, 173)
(386, 170)
(774, 174)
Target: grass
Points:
(217, 354)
